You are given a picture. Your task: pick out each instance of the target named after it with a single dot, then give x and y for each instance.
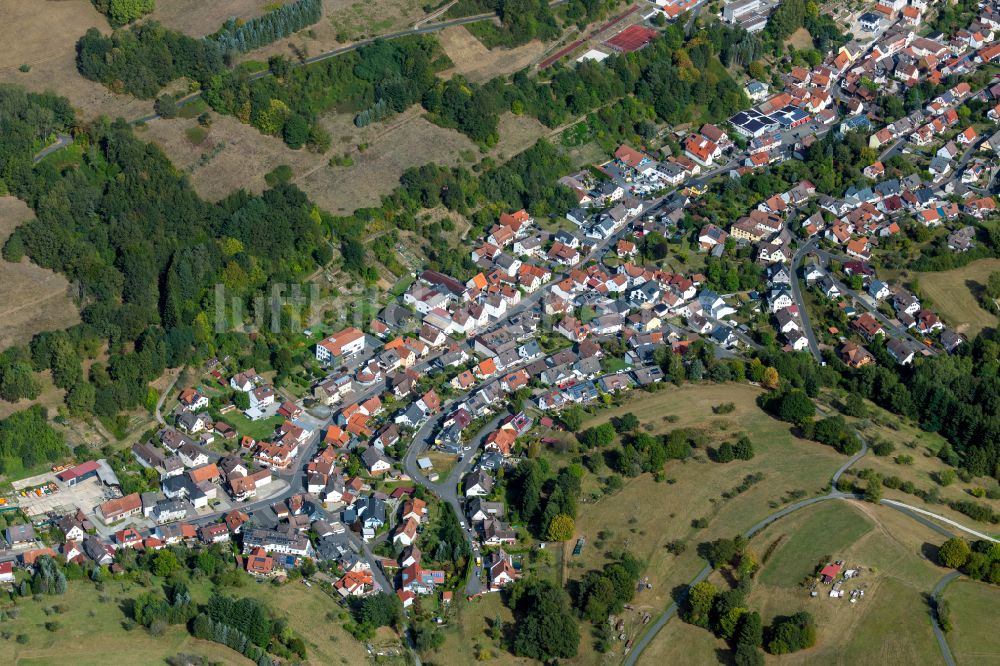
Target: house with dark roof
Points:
(477, 484)
(20, 535)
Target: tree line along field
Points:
(974, 639)
(43, 35)
(91, 630)
(914, 459)
(197, 18)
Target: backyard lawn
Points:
(467, 634)
(259, 430)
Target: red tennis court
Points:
(632, 38)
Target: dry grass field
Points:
(645, 515)
(922, 447)
(32, 299)
(517, 133)
(800, 39)
(478, 63)
(402, 142)
(889, 625)
(443, 463)
(43, 35)
(355, 20)
(199, 18)
(953, 294)
(231, 156)
(974, 640)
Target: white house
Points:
(779, 299)
(345, 343)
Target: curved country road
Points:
(938, 631)
(62, 140)
(647, 638)
(911, 511)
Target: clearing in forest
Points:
(32, 299)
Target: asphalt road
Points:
(447, 490)
(938, 631)
(62, 140)
(800, 302)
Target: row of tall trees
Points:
(142, 59)
(243, 36)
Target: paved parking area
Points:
(84, 495)
(33, 481)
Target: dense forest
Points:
(120, 12)
(142, 250)
(143, 59)
(674, 80)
